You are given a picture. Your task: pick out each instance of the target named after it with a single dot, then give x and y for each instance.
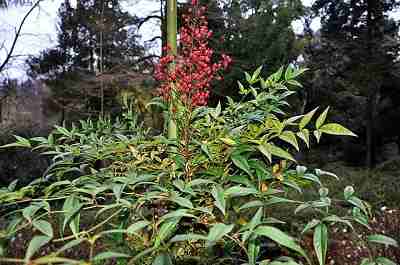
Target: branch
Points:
(147, 19)
(17, 35)
(153, 39)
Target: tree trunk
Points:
(375, 23)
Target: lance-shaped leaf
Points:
(321, 119)
(277, 151)
(281, 238)
(382, 239)
(306, 118)
(289, 137)
(241, 162)
(218, 231)
(335, 129)
(218, 193)
(320, 240)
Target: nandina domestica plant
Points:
(209, 201)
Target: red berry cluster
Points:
(193, 68)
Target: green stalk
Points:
(171, 41)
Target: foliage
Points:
(253, 33)
(355, 56)
(206, 200)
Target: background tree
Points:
(254, 33)
(355, 55)
(95, 38)
(18, 31)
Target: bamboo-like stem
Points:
(172, 43)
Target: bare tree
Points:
(18, 30)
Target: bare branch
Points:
(153, 39)
(17, 35)
(144, 20)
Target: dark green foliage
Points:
(355, 58)
(253, 33)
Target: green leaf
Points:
(247, 76)
(312, 178)
(228, 141)
(360, 217)
(166, 230)
(335, 129)
(256, 74)
(367, 261)
(292, 184)
(278, 74)
(177, 213)
(276, 262)
(253, 250)
(55, 260)
(21, 142)
(297, 72)
(183, 202)
(12, 185)
(306, 118)
(304, 135)
(251, 204)
(358, 203)
(265, 152)
(163, 259)
(117, 190)
(384, 261)
(281, 238)
(237, 191)
(320, 173)
(187, 237)
(44, 227)
(274, 200)
(34, 245)
(206, 151)
(289, 137)
(109, 255)
(218, 194)
(70, 244)
(310, 225)
(241, 162)
(321, 242)
(256, 219)
(29, 212)
(277, 151)
(288, 73)
(218, 231)
(197, 182)
(382, 239)
(337, 219)
(254, 222)
(133, 228)
(294, 83)
(71, 209)
(217, 111)
(321, 119)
